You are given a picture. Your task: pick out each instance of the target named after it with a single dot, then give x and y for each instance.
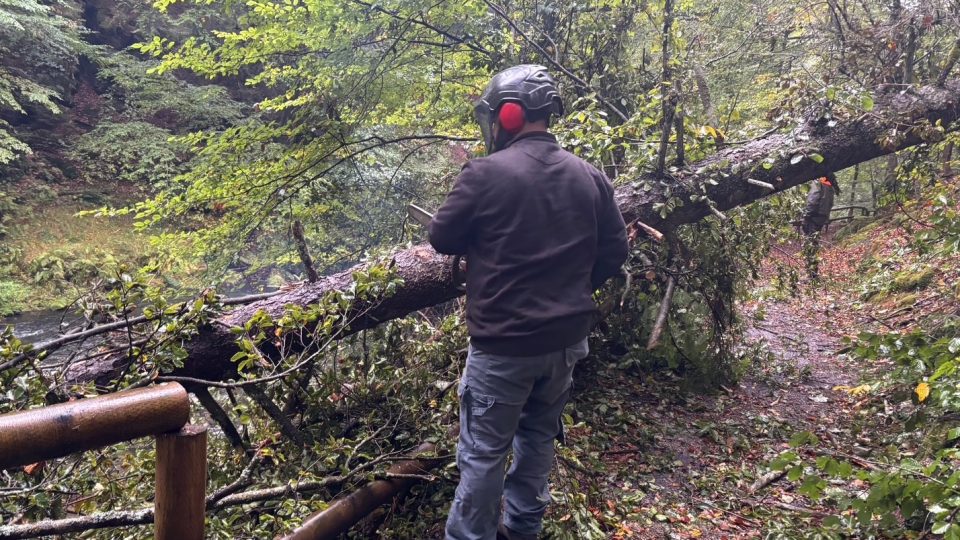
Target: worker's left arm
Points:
(452, 225)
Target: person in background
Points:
(816, 216)
(541, 232)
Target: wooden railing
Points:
(161, 411)
(864, 212)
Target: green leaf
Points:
(866, 102)
(802, 438)
(943, 370)
(816, 157)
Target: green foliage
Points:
(135, 152)
(69, 266)
(331, 77)
(164, 100)
(12, 296)
(32, 34)
(913, 483)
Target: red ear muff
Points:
(512, 117)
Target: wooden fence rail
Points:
(163, 411)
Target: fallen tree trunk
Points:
(733, 177)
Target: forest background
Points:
(158, 160)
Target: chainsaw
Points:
(424, 218)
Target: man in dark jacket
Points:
(540, 231)
(816, 216)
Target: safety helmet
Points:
(529, 85)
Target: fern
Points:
(35, 43)
(10, 146)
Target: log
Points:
(791, 159)
(344, 513)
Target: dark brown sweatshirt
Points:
(541, 232)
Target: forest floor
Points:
(648, 460)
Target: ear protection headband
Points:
(512, 117)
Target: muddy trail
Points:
(651, 461)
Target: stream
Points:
(37, 326)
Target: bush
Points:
(63, 266)
(135, 152)
(12, 297)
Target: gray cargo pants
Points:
(504, 401)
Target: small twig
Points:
(758, 183)
(953, 514)
(662, 315)
(241, 482)
(745, 519)
(766, 480)
(651, 232)
(401, 476)
(576, 466)
(716, 212)
(799, 509)
(626, 288)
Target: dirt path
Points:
(654, 462)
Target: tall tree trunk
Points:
(679, 128)
(896, 11)
(910, 54)
(668, 94)
(305, 258)
(952, 57)
(890, 175)
(853, 183)
(706, 99)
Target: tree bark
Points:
(853, 184)
(427, 277)
(948, 64)
(668, 95)
(305, 258)
(706, 98)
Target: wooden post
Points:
(181, 483)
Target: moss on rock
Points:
(913, 279)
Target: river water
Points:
(37, 326)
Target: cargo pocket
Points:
(576, 352)
(474, 407)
